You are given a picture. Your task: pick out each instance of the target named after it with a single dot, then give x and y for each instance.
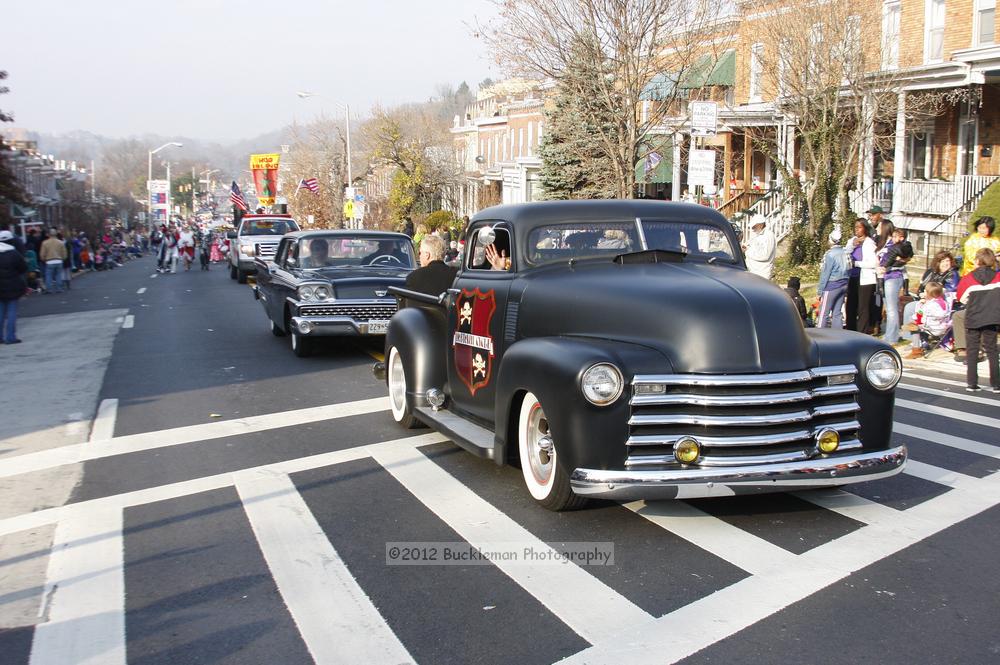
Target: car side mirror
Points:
(231, 235)
(487, 235)
(290, 261)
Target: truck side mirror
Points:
(487, 235)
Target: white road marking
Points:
(944, 393)
(934, 379)
(951, 440)
(337, 620)
(730, 543)
(154, 276)
(83, 509)
(851, 506)
(141, 291)
(85, 594)
(722, 614)
(129, 321)
(53, 457)
(104, 422)
(974, 418)
(936, 474)
(591, 608)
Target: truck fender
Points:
(551, 368)
(419, 335)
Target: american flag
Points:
(312, 184)
(236, 198)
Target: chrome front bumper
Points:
(332, 326)
(632, 484)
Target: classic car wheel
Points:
(232, 271)
(275, 330)
(241, 276)
(396, 378)
(300, 345)
(547, 481)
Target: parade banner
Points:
(265, 177)
(158, 195)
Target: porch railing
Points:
(775, 208)
(878, 193)
(740, 203)
(933, 197)
(950, 232)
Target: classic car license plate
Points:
(377, 326)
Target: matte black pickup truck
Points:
(623, 351)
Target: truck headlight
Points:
(883, 370)
(602, 384)
(246, 250)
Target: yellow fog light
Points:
(828, 441)
(687, 451)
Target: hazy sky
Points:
(227, 69)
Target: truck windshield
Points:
(561, 242)
(267, 227)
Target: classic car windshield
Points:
(331, 251)
(561, 242)
(267, 227)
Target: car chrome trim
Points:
(743, 379)
(744, 400)
(324, 326)
(725, 421)
(630, 484)
(735, 441)
(737, 460)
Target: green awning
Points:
(646, 172)
(724, 72)
(697, 74)
(660, 88)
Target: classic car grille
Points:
(354, 311)
(741, 419)
(266, 250)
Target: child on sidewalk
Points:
(931, 321)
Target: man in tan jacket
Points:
(52, 254)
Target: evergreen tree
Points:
(574, 163)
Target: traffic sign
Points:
(701, 168)
(704, 118)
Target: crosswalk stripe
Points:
(104, 422)
(700, 624)
(951, 440)
(852, 506)
(949, 413)
(730, 543)
(131, 443)
(934, 379)
(85, 594)
(944, 393)
(83, 509)
(938, 475)
(581, 601)
(337, 620)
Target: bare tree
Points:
(821, 63)
(626, 45)
(317, 150)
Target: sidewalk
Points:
(943, 361)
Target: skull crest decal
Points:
(473, 343)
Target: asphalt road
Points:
(238, 507)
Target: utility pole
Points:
(193, 181)
(169, 203)
(93, 176)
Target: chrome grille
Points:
(356, 311)
(741, 419)
(266, 250)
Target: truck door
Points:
(477, 307)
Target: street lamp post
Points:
(303, 94)
(149, 177)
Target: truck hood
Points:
(702, 318)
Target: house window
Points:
(890, 35)
(985, 21)
(934, 31)
(852, 46)
(783, 67)
(920, 164)
(756, 70)
(815, 43)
